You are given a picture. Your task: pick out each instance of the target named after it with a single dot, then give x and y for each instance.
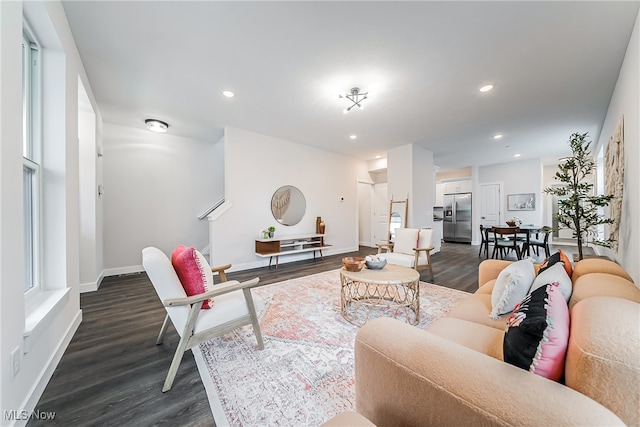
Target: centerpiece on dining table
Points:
(514, 221)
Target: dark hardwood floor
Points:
(112, 372)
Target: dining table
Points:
(526, 229)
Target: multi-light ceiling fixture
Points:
(355, 97)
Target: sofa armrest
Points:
(411, 377)
(489, 269)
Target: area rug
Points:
(305, 374)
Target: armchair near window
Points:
(411, 248)
(233, 307)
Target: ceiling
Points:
(554, 66)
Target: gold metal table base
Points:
(393, 291)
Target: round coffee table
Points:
(390, 291)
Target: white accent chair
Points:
(411, 248)
(233, 307)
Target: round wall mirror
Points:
(288, 205)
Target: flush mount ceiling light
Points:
(228, 94)
(355, 97)
(486, 88)
(498, 136)
(353, 136)
(155, 125)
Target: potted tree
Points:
(577, 206)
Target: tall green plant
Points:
(577, 206)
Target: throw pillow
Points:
(194, 272)
(538, 333)
(513, 284)
(555, 273)
(556, 258)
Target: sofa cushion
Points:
(603, 284)
(194, 272)
(557, 257)
(598, 265)
(476, 308)
(513, 284)
(555, 273)
(602, 357)
(487, 288)
(406, 240)
(482, 338)
(538, 333)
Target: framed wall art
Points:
(521, 202)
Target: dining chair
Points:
(505, 238)
(487, 239)
(539, 242)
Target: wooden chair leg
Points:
(175, 364)
(163, 330)
(254, 317)
(429, 265)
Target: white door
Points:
(380, 213)
(490, 206)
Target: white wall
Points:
(524, 176)
(625, 101)
(62, 68)
(156, 185)
(255, 167)
(410, 174)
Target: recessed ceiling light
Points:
(155, 125)
(486, 88)
(378, 157)
(353, 136)
(498, 136)
(228, 94)
(516, 155)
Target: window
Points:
(31, 160)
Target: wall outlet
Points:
(15, 362)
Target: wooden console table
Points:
(288, 245)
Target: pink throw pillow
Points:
(538, 333)
(193, 271)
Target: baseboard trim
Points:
(92, 286)
(45, 376)
(123, 270)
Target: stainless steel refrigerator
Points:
(457, 218)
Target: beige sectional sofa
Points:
(454, 373)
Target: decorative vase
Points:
(270, 234)
(319, 225)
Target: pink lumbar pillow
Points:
(193, 271)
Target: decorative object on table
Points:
(267, 233)
(514, 221)
(577, 208)
(375, 262)
(521, 202)
(614, 180)
(319, 225)
(353, 263)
